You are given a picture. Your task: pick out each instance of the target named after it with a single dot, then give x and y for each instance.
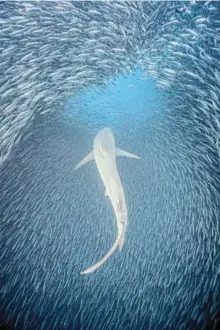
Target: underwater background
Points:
(149, 70)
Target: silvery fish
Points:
(57, 53)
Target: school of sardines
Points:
(50, 51)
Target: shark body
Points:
(104, 153)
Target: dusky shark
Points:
(104, 153)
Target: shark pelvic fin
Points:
(85, 160)
(120, 152)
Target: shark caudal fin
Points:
(108, 255)
(85, 160)
(121, 242)
(120, 152)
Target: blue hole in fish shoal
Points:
(134, 96)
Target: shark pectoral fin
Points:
(120, 152)
(85, 160)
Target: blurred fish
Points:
(51, 51)
(143, 78)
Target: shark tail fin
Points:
(120, 152)
(85, 160)
(108, 254)
(121, 242)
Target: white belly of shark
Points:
(104, 153)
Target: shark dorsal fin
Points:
(103, 151)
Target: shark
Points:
(104, 154)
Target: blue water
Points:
(134, 96)
(56, 222)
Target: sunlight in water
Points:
(134, 95)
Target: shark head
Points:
(104, 141)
